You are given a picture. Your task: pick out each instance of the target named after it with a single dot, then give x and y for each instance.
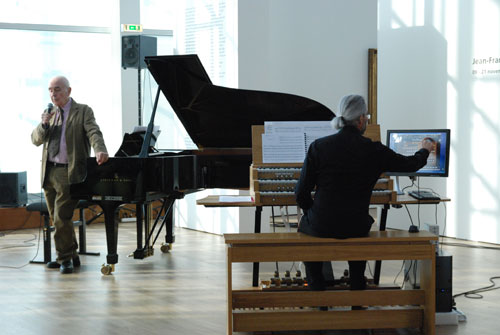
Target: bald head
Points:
(59, 90)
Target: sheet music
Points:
(320, 127)
(156, 130)
(288, 141)
(283, 148)
(311, 136)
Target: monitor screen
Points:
(407, 142)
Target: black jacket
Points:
(344, 167)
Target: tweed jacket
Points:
(82, 132)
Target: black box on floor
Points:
(444, 271)
(13, 189)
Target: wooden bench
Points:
(256, 309)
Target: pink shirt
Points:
(62, 155)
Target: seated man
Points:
(342, 169)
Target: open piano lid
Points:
(222, 117)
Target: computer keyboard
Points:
(424, 195)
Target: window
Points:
(38, 56)
(158, 14)
(57, 12)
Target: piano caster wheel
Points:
(107, 269)
(166, 247)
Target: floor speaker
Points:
(444, 282)
(13, 189)
(135, 48)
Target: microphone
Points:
(49, 109)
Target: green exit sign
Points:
(132, 27)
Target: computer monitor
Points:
(407, 142)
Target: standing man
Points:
(343, 169)
(66, 131)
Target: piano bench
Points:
(41, 206)
(263, 310)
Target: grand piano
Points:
(219, 121)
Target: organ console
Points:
(274, 184)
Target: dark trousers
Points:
(315, 272)
(61, 207)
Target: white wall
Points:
(317, 49)
(426, 51)
(208, 28)
(129, 102)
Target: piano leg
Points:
(143, 220)
(139, 251)
(111, 223)
(169, 225)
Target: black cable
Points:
(412, 184)
(407, 272)
(474, 294)
(369, 268)
(397, 275)
(37, 249)
(13, 267)
(418, 204)
(24, 245)
(409, 215)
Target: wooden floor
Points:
(182, 292)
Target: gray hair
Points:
(351, 107)
(63, 80)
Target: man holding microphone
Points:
(67, 131)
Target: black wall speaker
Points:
(13, 189)
(135, 48)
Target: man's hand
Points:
(46, 118)
(427, 144)
(101, 157)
